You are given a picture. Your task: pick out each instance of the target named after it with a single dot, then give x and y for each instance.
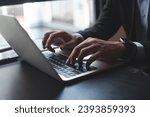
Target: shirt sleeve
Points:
(107, 24)
(140, 50)
(78, 34)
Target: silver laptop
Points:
(50, 63)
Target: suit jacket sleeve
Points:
(107, 24)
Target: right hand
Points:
(62, 39)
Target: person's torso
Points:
(130, 20)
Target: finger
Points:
(71, 59)
(45, 38)
(93, 58)
(86, 51)
(74, 54)
(58, 42)
(51, 39)
(63, 36)
(68, 45)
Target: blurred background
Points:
(40, 17)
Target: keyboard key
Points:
(59, 64)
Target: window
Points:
(40, 17)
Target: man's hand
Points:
(107, 50)
(60, 38)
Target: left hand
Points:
(97, 48)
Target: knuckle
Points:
(95, 45)
(61, 31)
(91, 40)
(88, 38)
(83, 51)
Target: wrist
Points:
(78, 38)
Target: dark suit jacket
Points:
(115, 14)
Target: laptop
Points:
(53, 64)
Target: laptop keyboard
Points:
(59, 64)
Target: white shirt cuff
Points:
(140, 50)
(78, 34)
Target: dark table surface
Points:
(21, 81)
